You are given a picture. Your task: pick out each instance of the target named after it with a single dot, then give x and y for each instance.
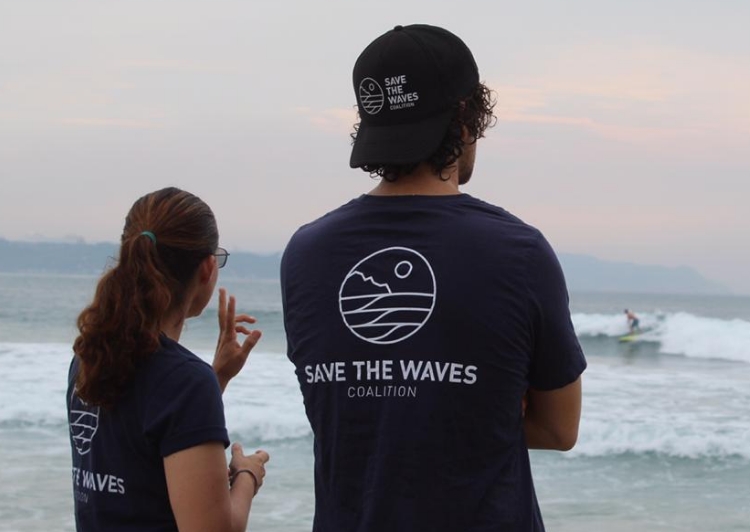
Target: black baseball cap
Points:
(407, 82)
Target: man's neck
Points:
(423, 181)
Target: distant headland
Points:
(582, 272)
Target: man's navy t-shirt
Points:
(173, 403)
(416, 325)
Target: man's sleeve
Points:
(557, 358)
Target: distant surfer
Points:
(633, 321)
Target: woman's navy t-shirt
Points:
(173, 403)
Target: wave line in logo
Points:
(84, 422)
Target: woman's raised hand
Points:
(231, 355)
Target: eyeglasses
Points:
(221, 255)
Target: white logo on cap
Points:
(371, 96)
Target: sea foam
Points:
(679, 333)
(655, 410)
(682, 411)
(262, 403)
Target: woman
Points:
(146, 415)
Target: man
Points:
(423, 321)
(633, 321)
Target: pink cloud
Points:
(332, 120)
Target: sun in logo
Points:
(371, 95)
(388, 296)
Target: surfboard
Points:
(632, 337)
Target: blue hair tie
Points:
(149, 234)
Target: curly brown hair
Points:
(166, 236)
(474, 113)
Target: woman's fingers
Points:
(250, 341)
(229, 322)
(222, 307)
(244, 318)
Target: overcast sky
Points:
(623, 131)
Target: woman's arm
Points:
(551, 418)
(199, 491)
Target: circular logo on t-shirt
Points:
(388, 296)
(84, 421)
(371, 96)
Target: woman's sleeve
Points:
(186, 410)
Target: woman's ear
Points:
(206, 269)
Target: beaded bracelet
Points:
(255, 478)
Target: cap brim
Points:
(399, 144)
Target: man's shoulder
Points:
(465, 211)
(333, 218)
(497, 217)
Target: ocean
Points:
(664, 442)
